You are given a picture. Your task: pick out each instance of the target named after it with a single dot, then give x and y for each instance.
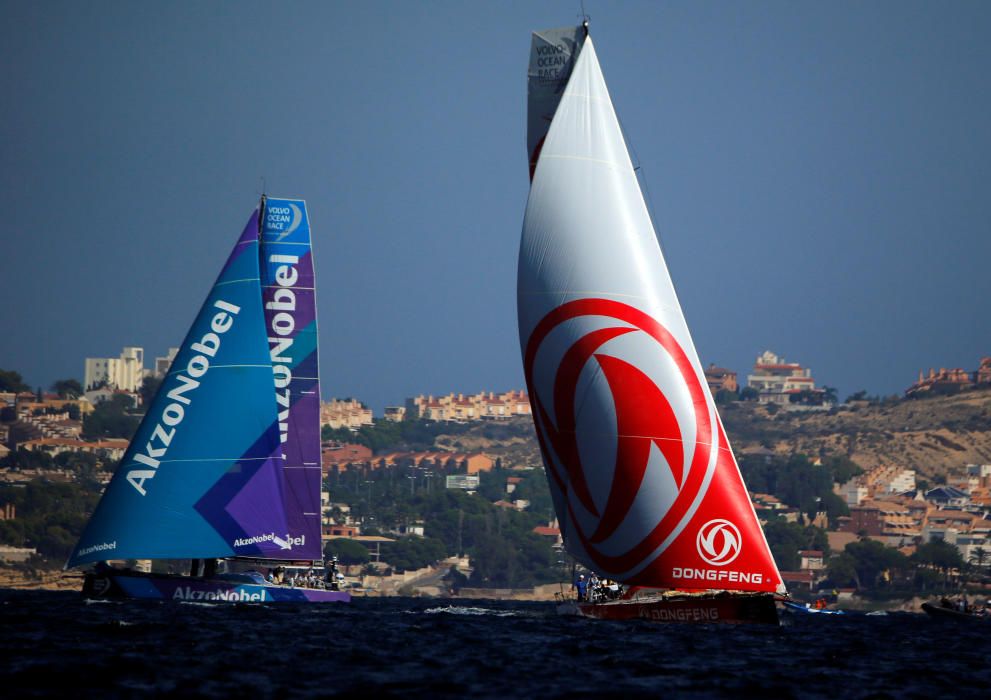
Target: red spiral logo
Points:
(644, 420)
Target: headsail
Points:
(291, 323)
(553, 53)
(644, 482)
(202, 476)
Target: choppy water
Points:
(395, 647)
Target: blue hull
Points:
(185, 588)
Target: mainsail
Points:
(204, 476)
(644, 482)
(291, 323)
(553, 53)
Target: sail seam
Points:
(238, 281)
(226, 367)
(611, 163)
(215, 459)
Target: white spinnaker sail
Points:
(644, 483)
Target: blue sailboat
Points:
(223, 474)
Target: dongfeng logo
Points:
(718, 542)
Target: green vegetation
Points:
(11, 381)
(800, 483)
(67, 388)
(149, 387)
(111, 419)
(787, 539)
(725, 396)
(411, 553)
(866, 564)
(417, 435)
(387, 436)
(50, 517)
(348, 552)
(879, 570)
(504, 550)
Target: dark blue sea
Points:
(56, 643)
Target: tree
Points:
(787, 539)
(11, 381)
(27, 459)
(979, 556)
(348, 552)
(408, 553)
(808, 397)
(842, 570)
(455, 579)
(149, 387)
(872, 559)
(829, 394)
(939, 555)
(842, 468)
(67, 388)
(725, 396)
(50, 516)
(749, 393)
(110, 420)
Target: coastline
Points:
(40, 580)
(57, 580)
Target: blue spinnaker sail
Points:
(202, 476)
(291, 323)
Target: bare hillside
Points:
(929, 435)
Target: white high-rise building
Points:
(162, 364)
(125, 372)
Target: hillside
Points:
(929, 435)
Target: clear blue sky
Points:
(820, 174)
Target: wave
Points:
(470, 610)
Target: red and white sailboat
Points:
(644, 482)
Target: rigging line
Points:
(642, 182)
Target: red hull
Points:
(702, 609)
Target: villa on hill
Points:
(951, 379)
(779, 382)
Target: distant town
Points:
(79, 431)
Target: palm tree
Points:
(978, 556)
